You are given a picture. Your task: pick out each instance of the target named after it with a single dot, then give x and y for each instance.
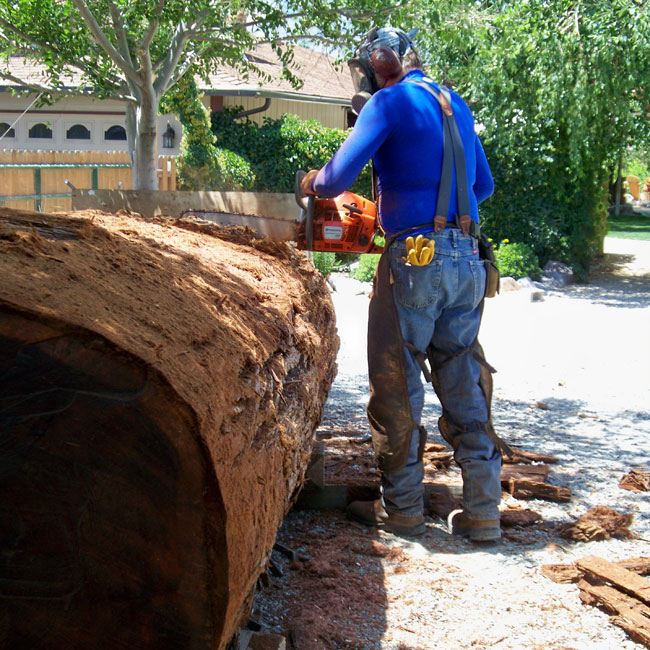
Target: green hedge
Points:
(539, 204)
(280, 147)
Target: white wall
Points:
(96, 116)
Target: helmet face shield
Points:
(363, 77)
(365, 84)
(361, 69)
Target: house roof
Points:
(322, 80)
(30, 72)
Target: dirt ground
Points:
(573, 381)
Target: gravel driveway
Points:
(573, 381)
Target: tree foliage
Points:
(203, 165)
(562, 88)
(137, 50)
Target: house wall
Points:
(96, 116)
(329, 115)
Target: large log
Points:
(160, 383)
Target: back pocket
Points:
(416, 286)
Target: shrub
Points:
(324, 262)
(280, 147)
(224, 170)
(541, 199)
(235, 172)
(365, 272)
(517, 260)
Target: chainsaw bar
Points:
(273, 227)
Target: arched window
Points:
(77, 132)
(40, 131)
(115, 132)
(6, 130)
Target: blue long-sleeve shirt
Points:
(400, 128)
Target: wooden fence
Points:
(43, 180)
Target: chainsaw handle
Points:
(306, 204)
(301, 199)
(307, 215)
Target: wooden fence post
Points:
(38, 203)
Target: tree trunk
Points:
(143, 159)
(159, 390)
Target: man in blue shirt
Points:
(434, 308)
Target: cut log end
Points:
(104, 499)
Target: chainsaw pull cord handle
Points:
(353, 208)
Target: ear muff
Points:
(385, 62)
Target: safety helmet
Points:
(381, 52)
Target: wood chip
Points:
(442, 504)
(632, 615)
(636, 480)
(640, 565)
(537, 473)
(518, 516)
(519, 456)
(597, 524)
(435, 447)
(562, 573)
(565, 573)
(621, 578)
(523, 489)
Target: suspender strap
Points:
(444, 190)
(453, 154)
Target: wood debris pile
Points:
(616, 587)
(597, 524)
(636, 480)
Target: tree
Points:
(203, 165)
(137, 50)
(562, 88)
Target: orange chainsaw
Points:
(347, 223)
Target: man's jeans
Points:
(441, 303)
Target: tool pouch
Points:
(492, 275)
(389, 408)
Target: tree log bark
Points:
(523, 489)
(160, 383)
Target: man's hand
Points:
(305, 183)
(419, 252)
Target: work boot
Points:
(478, 530)
(372, 513)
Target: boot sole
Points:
(479, 534)
(406, 531)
